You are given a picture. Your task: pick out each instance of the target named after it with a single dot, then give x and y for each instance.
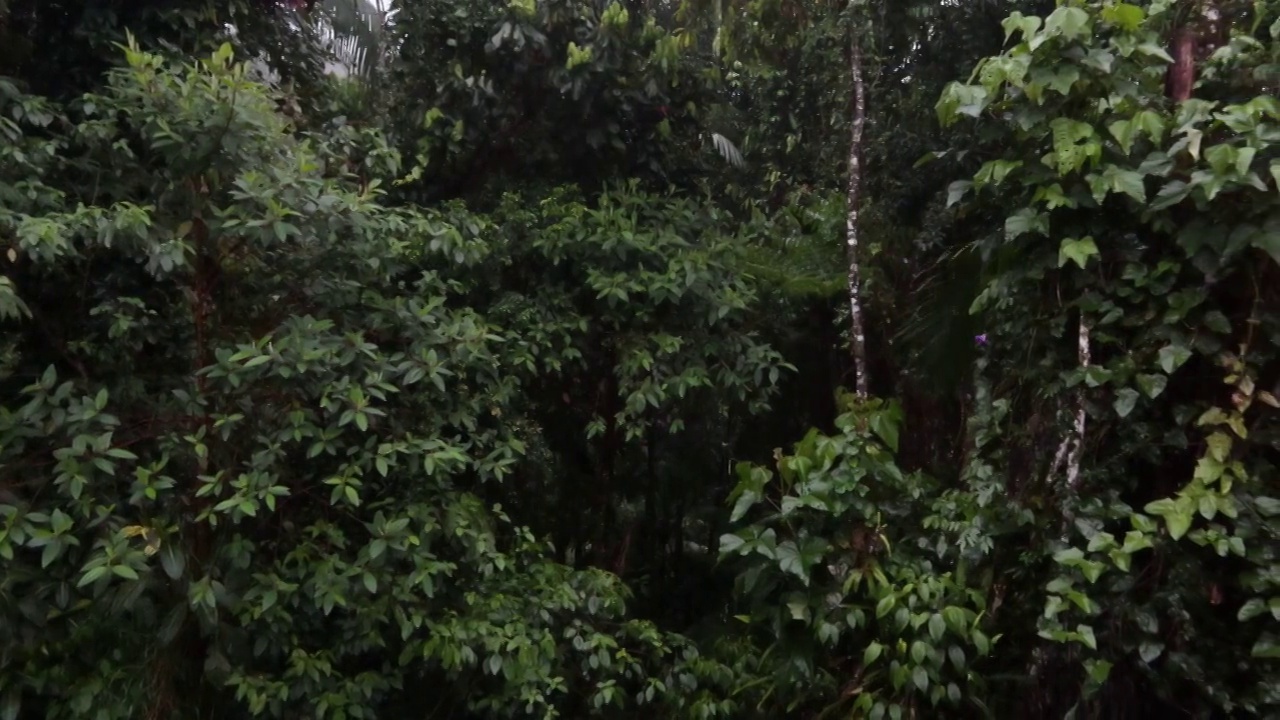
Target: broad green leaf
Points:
(789, 561)
(886, 429)
(1017, 22)
(1068, 22)
(1124, 132)
(1124, 15)
(1127, 182)
(1024, 221)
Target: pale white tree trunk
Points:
(1073, 460)
(1072, 447)
(856, 328)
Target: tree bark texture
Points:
(1182, 73)
(857, 335)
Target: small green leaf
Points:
(1154, 50)
(981, 642)
(1266, 648)
(1150, 650)
(955, 619)
(1099, 670)
(1173, 357)
(1087, 637)
(799, 609)
(1178, 522)
(953, 692)
(1068, 556)
(937, 626)
(920, 677)
(919, 651)
(1126, 398)
(873, 651)
(1152, 385)
(1141, 523)
(885, 605)
(1251, 609)
(1124, 16)
(1219, 446)
(91, 575)
(956, 191)
(1077, 251)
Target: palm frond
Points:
(727, 150)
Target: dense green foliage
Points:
(498, 371)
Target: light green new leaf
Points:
(1077, 251)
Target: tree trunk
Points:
(857, 336)
(1200, 32)
(1073, 459)
(1182, 73)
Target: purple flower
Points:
(981, 340)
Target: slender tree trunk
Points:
(1181, 76)
(1072, 447)
(1073, 459)
(1200, 32)
(857, 336)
